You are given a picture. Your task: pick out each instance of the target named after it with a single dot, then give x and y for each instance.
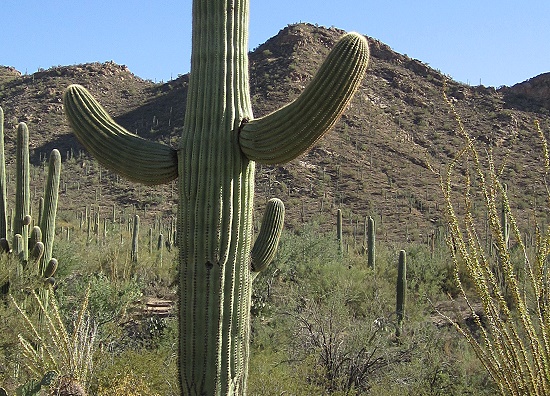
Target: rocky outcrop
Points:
(530, 95)
(8, 73)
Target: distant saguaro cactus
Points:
(339, 225)
(214, 165)
(401, 292)
(135, 239)
(371, 245)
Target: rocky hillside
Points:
(375, 162)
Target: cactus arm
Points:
(266, 243)
(49, 211)
(290, 131)
(119, 150)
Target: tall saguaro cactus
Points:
(21, 220)
(401, 292)
(214, 164)
(3, 198)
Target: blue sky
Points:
(493, 42)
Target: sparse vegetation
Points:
(323, 321)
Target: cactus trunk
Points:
(216, 216)
(22, 198)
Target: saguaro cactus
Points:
(3, 198)
(339, 225)
(135, 240)
(371, 246)
(49, 208)
(36, 246)
(401, 292)
(21, 219)
(214, 164)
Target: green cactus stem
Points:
(50, 269)
(35, 236)
(160, 242)
(401, 292)
(371, 248)
(283, 135)
(18, 247)
(215, 164)
(131, 156)
(339, 224)
(3, 198)
(40, 209)
(49, 210)
(22, 188)
(267, 241)
(150, 240)
(37, 253)
(135, 240)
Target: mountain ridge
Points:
(376, 161)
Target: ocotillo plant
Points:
(214, 165)
(401, 292)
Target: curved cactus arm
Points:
(265, 247)
(288, 132)
(136, 158)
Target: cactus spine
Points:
(214, 165)
(401, 292)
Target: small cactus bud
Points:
(50, 268)
(37, 252)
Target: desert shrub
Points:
(141, 371)
(427, 273)
(440, 364)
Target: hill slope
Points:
(373, 163)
